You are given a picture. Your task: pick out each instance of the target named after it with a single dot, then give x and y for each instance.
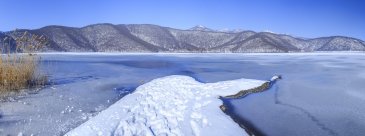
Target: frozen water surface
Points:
(320, 94)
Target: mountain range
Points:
(154, 38)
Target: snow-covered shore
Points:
(327, 53)
(172, 105)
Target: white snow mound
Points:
(172, 105)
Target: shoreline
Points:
(207, 53)
(226, 107)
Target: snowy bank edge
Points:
(359, 53)
(243, 93)
(95, 127)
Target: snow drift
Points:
(172, 105)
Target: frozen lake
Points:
(320, 94)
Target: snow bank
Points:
(173, 105)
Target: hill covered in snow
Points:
(153, 38)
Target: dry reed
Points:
(19, 67)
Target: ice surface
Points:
(173, 105)
(320, 93)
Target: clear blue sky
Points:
(306, 18)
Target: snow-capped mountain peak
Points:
(200, 28)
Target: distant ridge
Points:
(200, 28)
(154, 38)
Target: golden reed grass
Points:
(19, 67)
